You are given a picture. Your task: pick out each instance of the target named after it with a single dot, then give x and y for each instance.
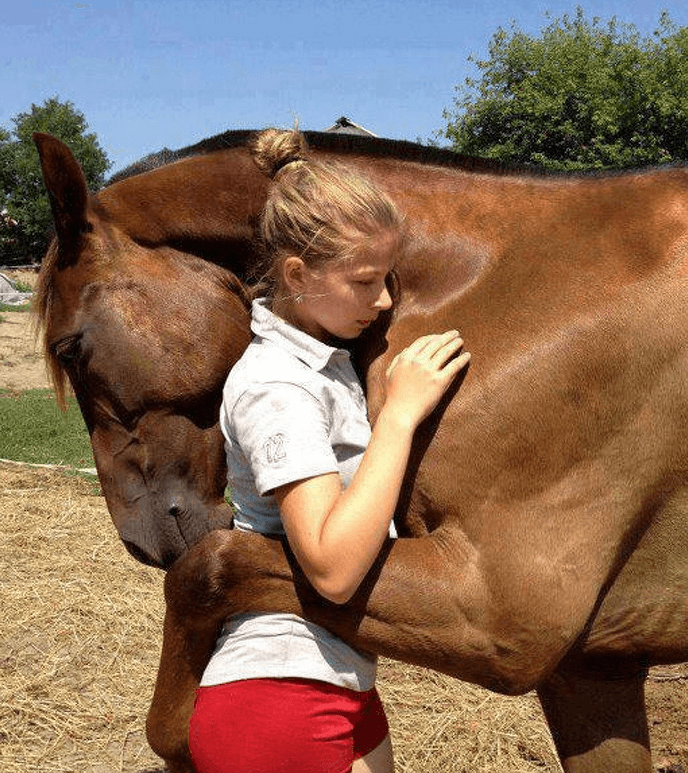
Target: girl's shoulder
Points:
(267, 360)
(265, 363)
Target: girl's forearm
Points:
(336, 535)
(358, 523)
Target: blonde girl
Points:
(280, 693)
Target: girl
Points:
(280, 693)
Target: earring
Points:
(299, 298)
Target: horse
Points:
(543, 524)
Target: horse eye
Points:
(67, 350)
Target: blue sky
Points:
(149, 74)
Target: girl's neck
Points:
(286, 308)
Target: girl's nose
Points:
(384, 300)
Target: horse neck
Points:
(207, 206)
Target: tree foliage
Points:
(583, 95)
(25, 217)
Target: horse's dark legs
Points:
(185, 653)
(197, 605)
(598, 725)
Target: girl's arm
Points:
(336, 534)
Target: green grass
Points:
(35, 430)
(22, 287)
(14, 307)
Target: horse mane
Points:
(377, 147)
(42, 307)
(351, 144)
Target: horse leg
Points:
(196, 606)
(599, 725)
(188, 642)
(184, 655)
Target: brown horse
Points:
(545, 518)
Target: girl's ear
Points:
(294, 274)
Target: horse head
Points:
(145, 333)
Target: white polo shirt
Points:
(292, 408)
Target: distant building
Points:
(9, 293)
(344, 126)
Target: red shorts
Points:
(283, 726)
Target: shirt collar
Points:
(269, 326)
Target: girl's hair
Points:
(317, 211)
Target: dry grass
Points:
(27, 276)
(80, 632)
(444, 726)
(79, 645)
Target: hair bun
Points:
(273, 149)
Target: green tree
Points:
(583, 95)
(25, 210)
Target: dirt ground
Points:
(21, 361)
(80, 636)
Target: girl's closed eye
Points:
(371, 280)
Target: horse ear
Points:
(66, 185)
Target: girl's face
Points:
(345, 297)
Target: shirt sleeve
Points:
(283, 432)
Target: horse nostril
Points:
(175, 511)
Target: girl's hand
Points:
(420, 374)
